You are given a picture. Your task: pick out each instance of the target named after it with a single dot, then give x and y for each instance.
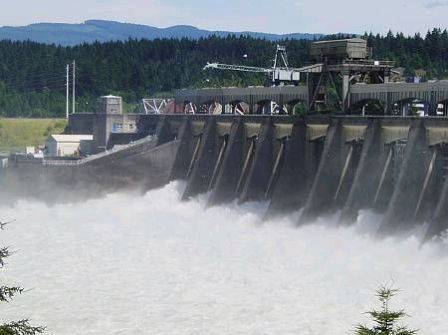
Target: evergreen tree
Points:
(32, 75)
(385, 320)
(7, 293)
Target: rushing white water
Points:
(130, 264)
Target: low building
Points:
(3, 162)
(69, 145)
(30, 150)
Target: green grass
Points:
(16, 134)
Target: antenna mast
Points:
(74, 88)
(67, 90)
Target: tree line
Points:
(32, 75)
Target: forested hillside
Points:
(32, 75)
(104, 31)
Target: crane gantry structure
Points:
(339, 65)
(278, 74)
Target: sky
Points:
(274, 16)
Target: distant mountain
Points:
(103, 31)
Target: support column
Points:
(291, 189)
(410, 180)
(386, 76)
(345, 91)
(203, 166)
(432, 108)
(251, 109)
(260, 171)
(439, 222)
(313, 82)
(182, 158)
(325, 183)
(227, 180)
(387, 104)
(163, 131)
(367, 175)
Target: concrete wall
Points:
(106, 124)
(322, 165)
(327, 165)
(81, 123)
(102, 125)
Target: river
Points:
(133, 264)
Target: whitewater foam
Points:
(129, 264)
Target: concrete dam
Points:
(395, 166)
(317, 164)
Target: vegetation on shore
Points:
(16, 134)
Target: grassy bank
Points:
(16, 134)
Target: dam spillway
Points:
(321, 164)
(396, 166)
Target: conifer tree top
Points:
(385, 320)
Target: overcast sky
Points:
(277, 16)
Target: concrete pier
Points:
(259, 172)
(292, 184)
(439, 222)
(320, 198)
(367, 175)
(203, 164)
(410, 180)
(225, 187)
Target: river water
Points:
(132, 264)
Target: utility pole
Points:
(67, 91)
(74, 88)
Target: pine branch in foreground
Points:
(21, 327)
(7, 293)
(4, 253)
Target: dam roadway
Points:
(321, 164)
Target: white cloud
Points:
(283, 16)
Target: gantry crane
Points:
(277, 75)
